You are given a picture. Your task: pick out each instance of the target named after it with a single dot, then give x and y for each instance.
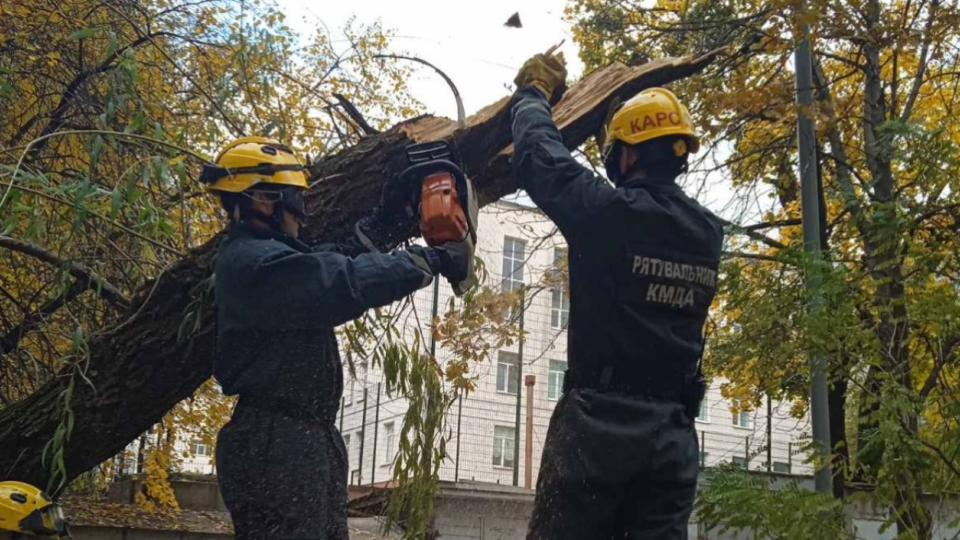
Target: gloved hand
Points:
(547, 72)
(456, 260)
(453, 260)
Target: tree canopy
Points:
(886, 95)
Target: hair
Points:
(658, 158)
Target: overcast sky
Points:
(469, 42)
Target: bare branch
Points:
(11, 340)
(79, 271)
(773, 224)
(355, 115)
(753, 256)
(922, 64)
(754, 235)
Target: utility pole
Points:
(376, 430)
(529, 381)
(769, 434)
(810, 208)
(363, 430)
(456, 468)
(433, 320)
(516, 433)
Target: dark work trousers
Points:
(616, 467)
(283, 478)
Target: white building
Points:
(518, 245)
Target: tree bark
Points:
(140, 369)
(883, 249)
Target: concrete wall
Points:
(469, 511)
(191, 495)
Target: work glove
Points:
(547, 73)
(453, 260)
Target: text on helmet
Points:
(652, 121)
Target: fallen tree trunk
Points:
(164, 349)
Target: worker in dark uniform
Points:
(281, 461)
(620, 458)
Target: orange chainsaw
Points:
(445, 202)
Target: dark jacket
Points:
(643, 258)
(278, 301)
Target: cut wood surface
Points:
(144, 366)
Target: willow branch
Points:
(79, 271)
(11, 340)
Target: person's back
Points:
(620, 459)
(642, 278)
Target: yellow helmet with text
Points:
(28, 510)
(652, 114)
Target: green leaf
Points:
(112, 46)
(95, 151)
(116, 199)
(82, 34)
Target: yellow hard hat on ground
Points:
(651, 114)
(26, 509)
(254, 161)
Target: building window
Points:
(704, 414)
(555, 382)
(346, 442)
(508, 365)
(703, 457)
(199, 449)
(359, 441)
(390, 442)
(355, 477)
(739, 462)
(560, 304)
(514, 254)
(743, 419)
(503, 446)
(781, 467)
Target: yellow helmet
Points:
(252, 161)
(651, 114)
(26, 509)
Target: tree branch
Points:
(946, 349)
(355, 115)
(66, 98)
(754, 235)
(11, 340)
(773, 224)
(922, 64)
(753, 256)
(108, 292)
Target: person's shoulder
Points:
(249, 250)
